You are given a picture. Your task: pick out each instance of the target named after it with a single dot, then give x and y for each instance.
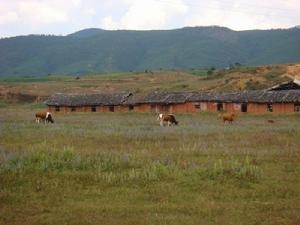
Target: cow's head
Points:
(160, 116)
(49, 118)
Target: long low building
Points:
(277, 101)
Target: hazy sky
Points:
(21, 17)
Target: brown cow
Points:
(44, 116)
(169, 118)
(229, 117)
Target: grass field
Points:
(110, 168)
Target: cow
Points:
(169, 118)
(44, 116)
(229, 117)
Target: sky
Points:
(58, 17)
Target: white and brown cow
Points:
(169, 118)
(43, 116)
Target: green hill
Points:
(97, 50)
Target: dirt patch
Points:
(23, 98)
(294, 70)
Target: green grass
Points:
(3, 103)
(114, 168)
(33, 79)
(198, 72)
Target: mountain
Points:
(97, 50)
(87, 33)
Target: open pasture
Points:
(110, 168)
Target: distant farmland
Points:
(231, 79)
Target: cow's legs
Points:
(161, 123)
(169, 123)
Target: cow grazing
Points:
(229, 117)
(169, 118)
(44, 116)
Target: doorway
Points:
(111, 108)
(244, 107)
(220, 107)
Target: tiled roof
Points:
(263, 96)
(87, 99)
(289, 85)
(248, 96)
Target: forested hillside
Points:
(96, 50)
